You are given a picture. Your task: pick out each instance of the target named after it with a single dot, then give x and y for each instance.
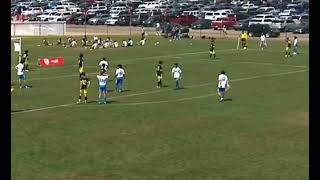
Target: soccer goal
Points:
(16, 45)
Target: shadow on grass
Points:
(227, 99)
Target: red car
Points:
(183, 20)
(229, 22)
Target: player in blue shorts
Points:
(223, 84)
(102, 78)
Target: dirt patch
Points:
(77, 30)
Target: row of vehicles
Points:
(237, 14)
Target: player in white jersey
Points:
(21, 75)
(263, 41)
(295, 46)
(103, 79)
(104, 65)
(120, 75)
(124, 43)
(223, 84)
(176, 74)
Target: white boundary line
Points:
(165, 101)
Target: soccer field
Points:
(145, 133)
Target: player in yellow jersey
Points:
(288, 48)
(84, 85)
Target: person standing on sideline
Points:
(176, 73)
(263, 41)
(295, 46)
(25, 60)
(103, 79)
(120, 75)
(223, 84)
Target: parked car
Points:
(46, 15)
(183, 20)
(201, 24)
(284, 25)
(302, 29)
(256, 30)
(139, 19)
(151, 21)
(32, 11)
(82, 19)
(98, 19)
(220, 22)
(241, 25)
(111, 21)
(123, 20)
(73, 19)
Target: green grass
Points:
(152, 134)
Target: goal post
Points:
(16, 46)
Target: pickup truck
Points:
(183, 20)
(229, 22)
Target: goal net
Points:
(16, 49)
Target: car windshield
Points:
(278, 21)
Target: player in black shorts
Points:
(212, 49)
(159, 73)
(81, 64)
(25, 59)
(288, 48)
(84, 85)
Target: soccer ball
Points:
(170, 40)
(156, 43)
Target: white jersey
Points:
(105, 63)
(263, 38)
(20, 68)
(102, 79)
(295, 43)
(124, 43)
(116, 44)
(130, 43)
(120, 73)
(176, 72)
(223, 81)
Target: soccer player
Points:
(59, 41)
(130, 42)
(45, 42)
(159, 73)
(103, 65)
(176, 73)
(263, 41)
(295, 46)
(142, 41)
(84, 85)
(223, 84)
(102, 78)
(244, 38)
(115, 44)
(81, 64)
(124, 43)
(73, 43)
(212, 48)
(21, 75)
(288, 48)
(120, 75)
(224, 30)
(25, 60)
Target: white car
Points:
(249, 6)
(60, 16)
(287, 12)
(150, 5)
(260, 21)
(111, 21)
(46, 15)
(57, 9)
(265, 16)
(32, 11)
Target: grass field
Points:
(146, 133)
